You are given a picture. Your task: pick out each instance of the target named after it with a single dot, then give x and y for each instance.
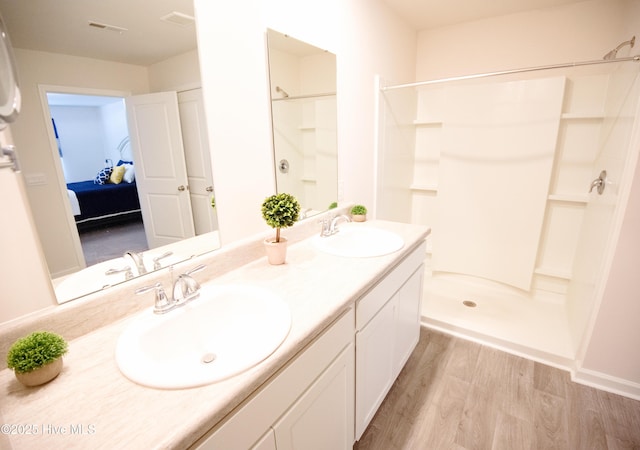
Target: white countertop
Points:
(92, 405)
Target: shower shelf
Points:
(424, 188)
(556, 273)
(582, 115)
(425, 122)
(570, 198)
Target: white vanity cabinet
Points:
(326, 396)
(307, 405)
(387, 331)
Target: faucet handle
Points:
(326, 225)
(186, 288)
(128, 274)
(195, 269)
(162, 303)
(156, 260)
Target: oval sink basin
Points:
(359, 241)
(224, 332)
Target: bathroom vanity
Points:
(354, 323)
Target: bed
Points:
(102, 204)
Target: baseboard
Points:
(549, 359)
(606, 382)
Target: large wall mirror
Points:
(303, 107)
(167, 168)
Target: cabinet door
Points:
(374, 362)
(323, 417)
(266, 442)
(408, 319)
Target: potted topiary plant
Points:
(333, 205)
(358, 213)
(37, 358)
(279, 211)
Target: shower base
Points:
(497, 315)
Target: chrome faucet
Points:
(138, 260)
(326, 224)
(185, 289)
(334, 223)
(330, 226)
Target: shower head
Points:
(613, 53)
(282, 91)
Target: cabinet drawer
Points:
(252, 419)
(374, 300)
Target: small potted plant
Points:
(37, 358)
(333, 205)
(358, 213)
(279, 211)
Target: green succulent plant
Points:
(280, 211)
(35, 350)
(333, 205)
(358, 210)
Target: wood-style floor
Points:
(102, 244)
(456, 394)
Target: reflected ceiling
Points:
(63, 27)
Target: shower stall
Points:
(522, 176)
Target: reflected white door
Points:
(198, 159)
(156, 141)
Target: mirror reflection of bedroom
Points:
(97, 163)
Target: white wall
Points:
(24, 278)
(114, 123)
(366, 38)
(82, 140)
(175, 74)
(610, 351)
(89, 135)
(573, 32)
(612, 348)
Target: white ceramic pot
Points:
(276, 251)
(359, 217)
(41, 375)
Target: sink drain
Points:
(469, 303)
(208, 357)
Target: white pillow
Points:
(129, 173)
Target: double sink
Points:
(229, 328)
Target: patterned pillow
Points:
(103, 175)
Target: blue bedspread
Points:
(97, 201)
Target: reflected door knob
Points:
(209, 189)
(181, 188)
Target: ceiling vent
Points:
(179, 18)
(104, 26)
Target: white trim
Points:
(606, 382)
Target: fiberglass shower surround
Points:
(500, 165)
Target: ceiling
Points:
(424, 14)
(62, 26)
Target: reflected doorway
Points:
(97, 163)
